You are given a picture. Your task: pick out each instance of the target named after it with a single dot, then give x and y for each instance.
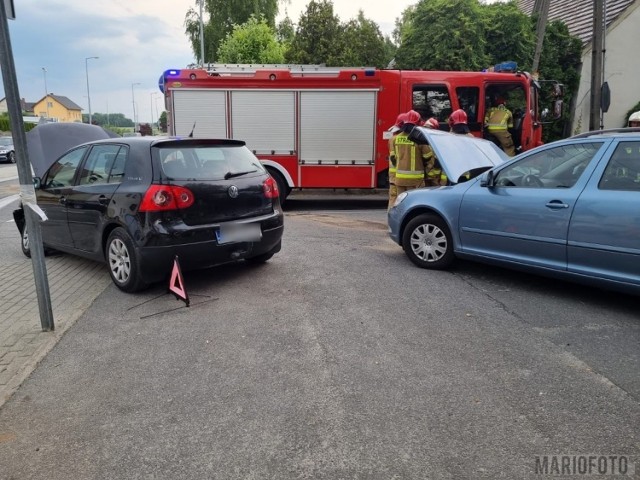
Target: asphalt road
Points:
(337, 359)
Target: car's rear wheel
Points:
(11, 157)
(427, 242)
(122, 259)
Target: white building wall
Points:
(621, 71)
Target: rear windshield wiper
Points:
(229, 175)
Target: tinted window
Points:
(62, 172)
(558, 167)
(207, 162)
(98, 164)
(432, 101)
(117, 171)
(623, 169)
(468, 100)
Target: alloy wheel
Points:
(119, 261)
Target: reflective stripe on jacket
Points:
(412, 160)
(498, 118)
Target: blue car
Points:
(569, 209)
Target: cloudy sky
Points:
(136, 41)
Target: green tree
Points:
(223, 15)
(509, 34)
(364, 44)
(252, 42)
(162, 122)
(442, 35)
(319, 36)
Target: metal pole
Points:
(86, 67)
(152, 94)
(46, 91)
(604, 51)
(24, 173)
(596, 66)
(201, 2)
(133, 99)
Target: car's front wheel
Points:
(11, 157)
(427, 242)
(24, 242)
(122, 259)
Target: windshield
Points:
(6, 141)
(208, 162)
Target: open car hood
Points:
(48, 141)
(459, 154)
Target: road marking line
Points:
(8, 200)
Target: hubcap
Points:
(428, 243)
(119, 261)
(25, 239)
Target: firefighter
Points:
(498, 121)
(458, 123)
(412, 160)
(395, 129)
(634, 119)
(435, 176)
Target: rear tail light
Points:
(166, 197)
(270, 188)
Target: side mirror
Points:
(557, 109)
(37, 181)
(486, 179)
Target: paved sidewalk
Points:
(74, 284)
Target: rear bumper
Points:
(156, 261)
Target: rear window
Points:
(208, 162)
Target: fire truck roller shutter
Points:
(337, 126)
(265, 120)
(205, 108)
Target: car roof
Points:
(614, 132)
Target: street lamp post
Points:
(133, 99)
(86, 68)
(153, 94)
(46, 91)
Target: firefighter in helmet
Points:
(435, 176)
(458, 123)
(395, 129)
(412, 160)
(498, 121)
(634, 119)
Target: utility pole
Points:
(27, 192)
(597, 61)
(541, 7)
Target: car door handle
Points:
(557, 205)
(62, 201)
(102, 200)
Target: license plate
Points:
(239, 233)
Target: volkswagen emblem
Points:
(233, 191)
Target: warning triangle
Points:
(176, 283)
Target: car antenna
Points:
(194, 127)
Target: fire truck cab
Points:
(320, 127)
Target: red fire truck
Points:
(320, 127)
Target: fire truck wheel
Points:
(283, 188)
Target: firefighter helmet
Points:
(432, 123)
(414, 118)
(459, 116)
(634, 119)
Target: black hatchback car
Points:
(138, 202)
